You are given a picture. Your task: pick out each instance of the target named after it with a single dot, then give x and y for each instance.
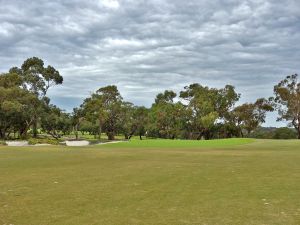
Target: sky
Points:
(147, 46)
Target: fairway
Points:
(152, 182)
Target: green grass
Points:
(152, 182)
(163, 143)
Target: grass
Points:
(164, 143)
(236, 181)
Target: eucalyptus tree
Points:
(126, 120)
(55, 122)
(165, 117)
(16, 106)
(207, 107)
(37, 79)
(76, 118)
(105, 107)
(287, 101)
(140, 121)
(249, 116)
(93, 110)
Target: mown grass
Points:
(164, 143)
(245, 182)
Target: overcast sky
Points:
(145, 47)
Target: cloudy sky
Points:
(147, 46)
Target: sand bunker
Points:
(77, 143)
(17, 143)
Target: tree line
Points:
(196, 112)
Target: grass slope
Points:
(205, 183)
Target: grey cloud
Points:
(147, 46)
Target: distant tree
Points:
(105, 106)
(249, 116)
(263, 133)
(140, 121)
(55, 122)
(207, 106)
(126, 119)
(77, 118)
(285, 133)
(165, 116)
(287, 101)
(94, 112)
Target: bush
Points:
(263, 133)
(2, 143)
(34, 141)
(285, 133)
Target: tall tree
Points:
(16, 106)
(37, 79)
(206, 106)
(166, 116)
(105, 106)
(287, 101)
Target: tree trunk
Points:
(111, 136)
(76, 131)
(34, 127)
(99, 130)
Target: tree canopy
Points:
(196, 112)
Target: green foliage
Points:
(285, 133)
(105, 107)
(273, 133)
(206, 106)
(250, 115)
(199, 112)
(34, 141)
(287, 101)
(23, 97)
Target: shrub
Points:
(285, 133)
(34, 141)
(2, 143)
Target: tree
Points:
(111, 101)
(249, 116)
(165, 117)
(140, 121)
(54, 121)
(105, 106)
(126, 119)
(287, 101)
(37, 79)
(285, 133)
(77, 118)
(206, 106)
(16, 106)
(93, 110)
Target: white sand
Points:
(17, 143)
(77, 143)
(110, 142)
